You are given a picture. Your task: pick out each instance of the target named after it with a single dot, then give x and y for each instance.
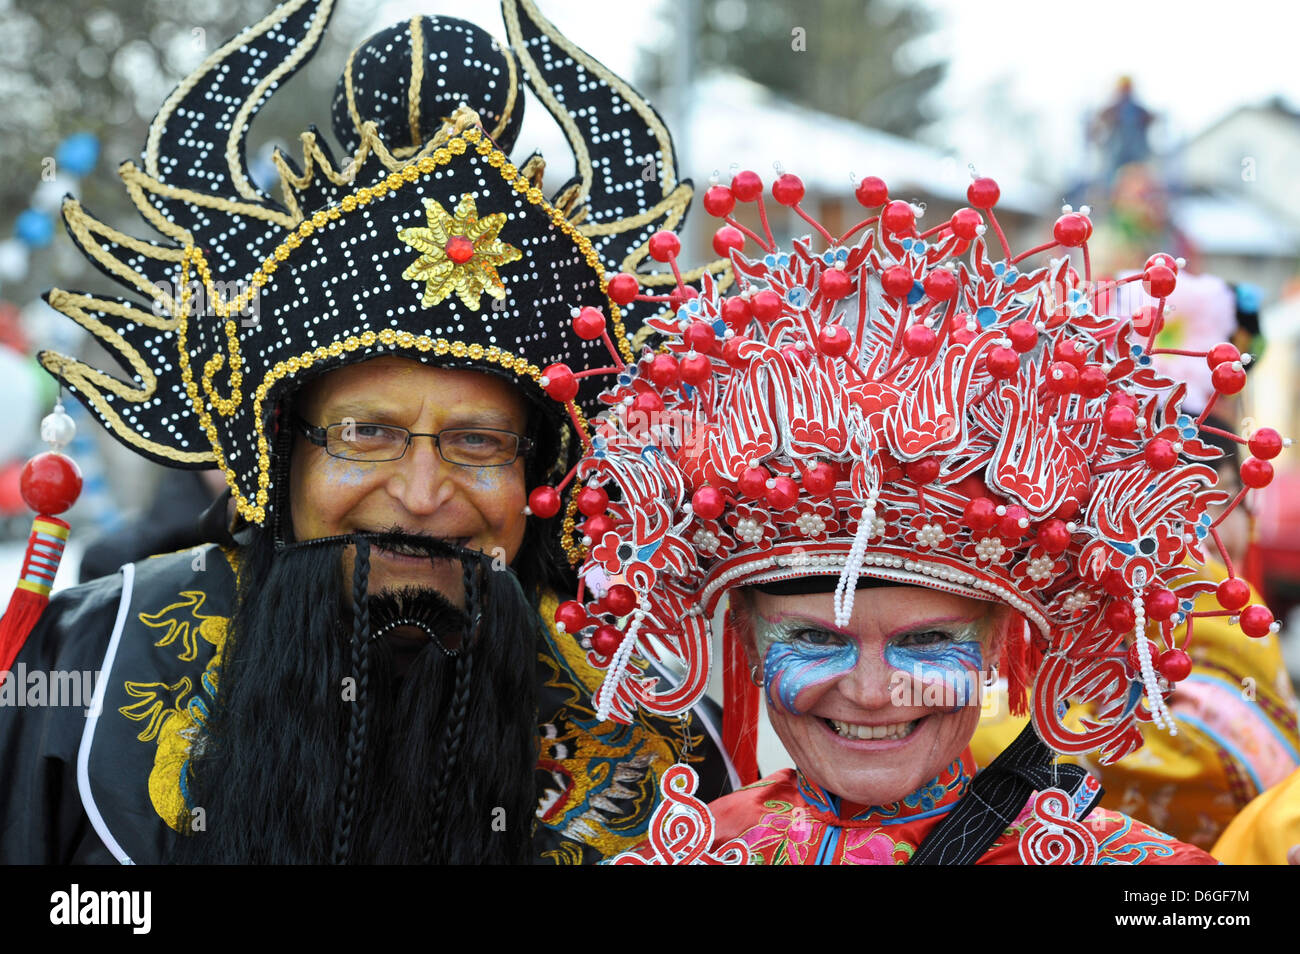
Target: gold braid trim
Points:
(511, 82)
(91, 382)
(87, 229)
(417, 78)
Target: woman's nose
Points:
(870, 683)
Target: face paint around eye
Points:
(948, 669)
(792, 664)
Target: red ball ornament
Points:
(1003, 363)
(700, 336)
(50, 483)
(560, 384)
(718, 201)
(940, 284)
(1119, 616)
(731, 352)
(820, 480)
(1093, 381)
(983, 193)
(1161, 604)
(1023, 335)
(664, 245)
(753, 482)
(728, 239)
(919, 341)
(1174, 664)
(1233, 593)
(965, 223)
(664, 371)
(597, 527)
(1146, 317)
(1014, 523)
(766, 305)
(589, 323)
(1119, 421)
(1067, 350)
(708, 502)
(1163, 259)
(1266, 443)
(1121, 399)
(544, 502)
(592, 501)
(1256, 473)
(647, 403)
(735, 312)
(1228, 378)
(897, 281)
(834, 341)
(922, 471)
(1072, 229)
(835, 284)
(696, 369)
(620, 599)
(787, 189)
(1256, 620)
(897, 217)
(980, 514)
(1222, 353)
(623, 288)
(783, 493)
(746, 186)
(871, 192)
(1160, 454)
(1134, 661)
(572, 615)
(1054, 536)
(1114, 584)
(1062, 377)
(1158, 281)
(606, 640)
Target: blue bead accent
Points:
(986, 316)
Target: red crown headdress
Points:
(903, 406)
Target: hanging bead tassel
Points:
(50, 483)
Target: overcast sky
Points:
(1022, 75)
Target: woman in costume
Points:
(287, 697)
(930, 414)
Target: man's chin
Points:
(394, 571)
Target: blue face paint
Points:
(797, 656)
(348, 473)
(949, 660)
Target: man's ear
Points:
(1005, 623)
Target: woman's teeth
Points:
(897, 730)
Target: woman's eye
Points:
(931, 638)
(815, 637)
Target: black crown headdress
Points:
(426, 242)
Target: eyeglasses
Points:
(468, 446)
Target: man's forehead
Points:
(393, 382)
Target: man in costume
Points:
(932, 414)
(365, 666)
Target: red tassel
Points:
(31, 596)
(740, 705)
(1017, 663)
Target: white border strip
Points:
(96, 708)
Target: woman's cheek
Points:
(794, 671)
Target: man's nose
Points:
(420, 480)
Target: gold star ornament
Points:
(459, 253)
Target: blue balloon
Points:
(78, 153)
(35, 228)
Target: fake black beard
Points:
(326, 745)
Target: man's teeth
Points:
(896, 730)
